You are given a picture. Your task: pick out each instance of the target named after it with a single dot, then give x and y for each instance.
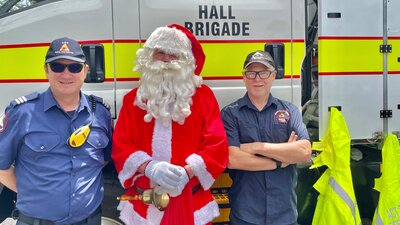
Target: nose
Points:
(258, 77)
(169, 57)
(165, 57)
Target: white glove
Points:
(166, 175)
(177, 189)
(184, 179)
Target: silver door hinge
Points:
(385, 48)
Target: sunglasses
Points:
(59, 67)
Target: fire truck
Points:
(342, 54)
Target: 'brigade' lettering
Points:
(218, 29)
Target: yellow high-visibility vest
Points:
(336, 203)
(388, 209)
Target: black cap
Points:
(259, 57)
(65, 48)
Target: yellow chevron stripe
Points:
(349, 56)
(28, 62)
(223, 59)
(227, 59)
(394, 57)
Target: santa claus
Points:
(169, 134)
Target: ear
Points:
(46, 70)
(86, 68)
(273, 75)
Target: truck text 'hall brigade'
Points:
(328, 53)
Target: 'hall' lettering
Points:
(214, 13)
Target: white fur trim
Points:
(161, 142)
(170, 40)
(130, 217)
(206, 214)
(200, 170)
(131, 166)
(154, 215)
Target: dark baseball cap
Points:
(259, 57)
(65, 48)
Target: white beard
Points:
(166, 90)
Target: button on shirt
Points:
(55, 181)
(263, 197)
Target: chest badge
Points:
(3, 122)
(281, 116)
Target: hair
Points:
(166, 88)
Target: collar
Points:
(245, 101)
(50, 101)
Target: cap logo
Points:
(64, 48)
(258, 55)
(281, 116)
(3, 122)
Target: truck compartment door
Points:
(351, 65)
(393, 28)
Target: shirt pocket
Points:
(248, 132)
(42, 142)
(279, 132)
(97, 142)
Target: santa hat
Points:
(176, 39)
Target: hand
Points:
(293, 137)
(182, 183)
(176, 190)
(166, 175)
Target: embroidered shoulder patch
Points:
(3, 122)
(281, 116)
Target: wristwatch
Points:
(278, 164)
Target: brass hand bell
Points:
(149, 196)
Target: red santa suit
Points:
(199, 142)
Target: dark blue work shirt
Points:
(55, 181)
(263, 197)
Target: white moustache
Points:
(158, 67)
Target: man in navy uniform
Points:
(54, 145)
(266, 138)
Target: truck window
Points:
(8, 6)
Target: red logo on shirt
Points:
(281, 116)
(3, 122)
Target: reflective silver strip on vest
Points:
(379, 220)
(343, 194)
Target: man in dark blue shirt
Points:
(54, 145)
(266, 139)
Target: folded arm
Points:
(8, 179)
(293, 151)
(242, 160)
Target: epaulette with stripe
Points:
(25, 98)
(101, 101)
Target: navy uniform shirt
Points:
(263, 197)
(55, 181)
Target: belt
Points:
(194, 189)
(32, 220)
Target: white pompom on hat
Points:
(176, 39)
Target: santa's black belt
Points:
(194, 189)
